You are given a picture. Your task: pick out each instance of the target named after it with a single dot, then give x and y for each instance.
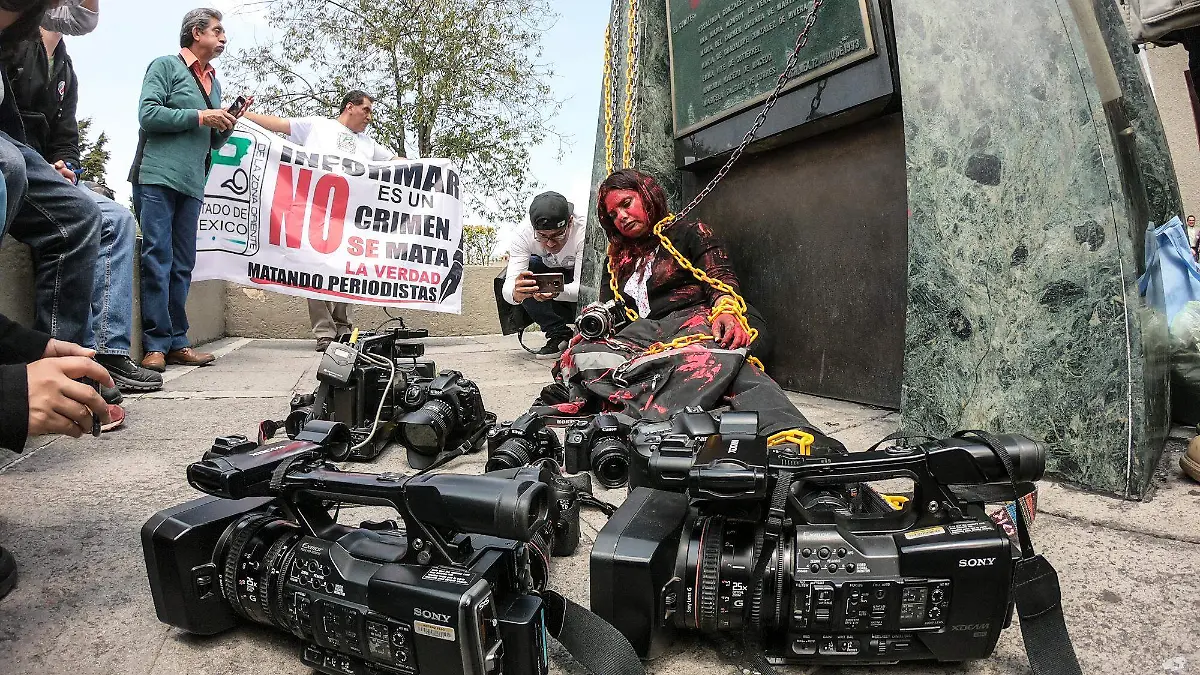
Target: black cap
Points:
(549, 211)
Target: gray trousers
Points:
(329, 319)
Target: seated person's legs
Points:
(112, 298)
(62, 226)
(762, 346)
(12, 165)
(552, 316)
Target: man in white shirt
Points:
(345, 136)
(552, 241)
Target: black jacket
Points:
(18, 346)
(47, 100)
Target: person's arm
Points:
(570, 291)
(270, 122)
(64, 129)
(153, 113)
(73, 17)
(19, 344)
(707, 252)
(14, 407)
(518, 262)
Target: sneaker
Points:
(553, 348)
(116, 415)
(111, 394)
(8, 572)
(129, 375)
(1190, 462)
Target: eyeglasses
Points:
(551, 237)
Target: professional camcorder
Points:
(454, 588)
(601, 445)
(361, 385)
(602, 320)
(800, 554)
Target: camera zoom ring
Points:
(710, 571)
(247, 528)
(757, 585)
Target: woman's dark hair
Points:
(626, 252)
(26, 26)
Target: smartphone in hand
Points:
(95, 419)
(238, 106)
(549, 283)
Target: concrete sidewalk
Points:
(72, 512)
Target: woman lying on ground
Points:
(689, 345)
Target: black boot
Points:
(8, 572)
(129, 375)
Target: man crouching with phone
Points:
(544, 261)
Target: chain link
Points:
(631, 73)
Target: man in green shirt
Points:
(181, 123)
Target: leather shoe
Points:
(323, 343)
(128, 375)
(189, 357)
(1190, 462)
(156, 361)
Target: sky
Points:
(111, 61)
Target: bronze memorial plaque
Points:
(726, 55)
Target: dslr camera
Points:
(453, 588)
(602, 320)
(601, 445)
(443, 414)
(521, 442)
(815, 566)
(360, 385)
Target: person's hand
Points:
(526, 287)
(61, 348)
(61, 167)
(728, 332)
(217, 119)
(60, 405)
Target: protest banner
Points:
(284, 219)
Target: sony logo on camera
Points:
(432, 616)
(976, 562)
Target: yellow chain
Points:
(609, 158)
(802, 439)
(630, 77)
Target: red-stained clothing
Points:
(672, 287)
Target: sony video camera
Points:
(360, 385)
(601, 445)
(453, 589)
(601, 320)
(798, 552)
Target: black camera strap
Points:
(1036, 587)
(590, 640)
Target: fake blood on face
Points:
(628, 213)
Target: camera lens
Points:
(426, 429)
(593, 325)
(718, 564)
(257, 551)
(540, 547)
(610, 461)
(512, 453)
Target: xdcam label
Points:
(977, 562)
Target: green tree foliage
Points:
(457, 79)
(94, 156)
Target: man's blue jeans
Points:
(112, 298)
(62, 227)
(169, 220)
(552, 315)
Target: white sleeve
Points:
(518, 261)
(570, 291)
(302, 128)
(70, 18)
(382, 153)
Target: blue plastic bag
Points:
(1172, 277)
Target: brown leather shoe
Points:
(156, 361)
(1190, 462)
(189, 357)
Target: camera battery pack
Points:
(337, 366)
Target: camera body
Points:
(444, 413)
(450, 591)
(812, 561)
(601, 445)
(360, 385)
(602, 320)
(521, 442)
